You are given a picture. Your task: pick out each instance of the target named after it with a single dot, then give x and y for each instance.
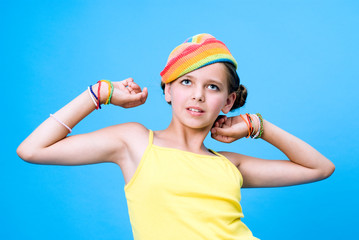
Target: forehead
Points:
(215, 72)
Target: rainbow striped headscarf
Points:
(196, 52)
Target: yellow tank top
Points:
(176, 194)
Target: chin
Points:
(197, 125)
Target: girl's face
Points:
(198, 97)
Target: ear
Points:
(168, 92)
(229, 103)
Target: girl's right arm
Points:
(49, 143)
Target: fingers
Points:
(219, 121)
(144, 95)
(129, 85)
(128, 94)
(133, 87)
(228, 132)
(136, 99)
(124, 83)
(127, 81)
(222, 121)
(222, 138)
(138, 96)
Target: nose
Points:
(198, 94)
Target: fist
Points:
(128, 94)
(229, 129)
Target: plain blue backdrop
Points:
(298, 60)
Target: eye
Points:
(213, 87)
(186, 82)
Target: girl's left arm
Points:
(305, 163)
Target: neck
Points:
(184, 138)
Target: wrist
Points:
(102, 92)
(254, 124)
(268, 130)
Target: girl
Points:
(176, 188)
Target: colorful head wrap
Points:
(196, 52)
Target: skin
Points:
(204, 90)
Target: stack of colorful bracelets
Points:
(96, 99)
(247, 118)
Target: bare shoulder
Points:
(134, 136)
(235, 158)
(241, 162)
(130, 133)
(128, 130)
(257, 172)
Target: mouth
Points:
(195, 110)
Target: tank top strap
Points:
(150, 138)
(216, 153)
(233, 166)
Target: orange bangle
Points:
(250, 123)
(249, 133)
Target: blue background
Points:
(298, 59)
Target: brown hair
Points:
(233, 86)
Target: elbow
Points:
(331, 170)
(25, 154)
(328, 170)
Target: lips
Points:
(195, 110)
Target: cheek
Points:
(217, 102)
(178, 97)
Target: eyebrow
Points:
(209, 79)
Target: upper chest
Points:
(182, 173)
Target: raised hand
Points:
(229, 129)
(128, 94)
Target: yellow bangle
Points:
(109, 91)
